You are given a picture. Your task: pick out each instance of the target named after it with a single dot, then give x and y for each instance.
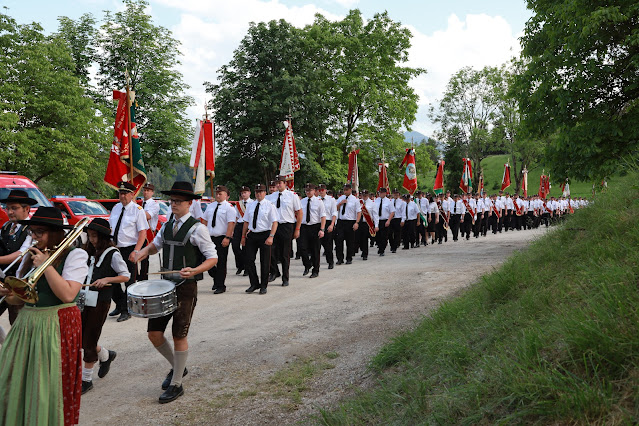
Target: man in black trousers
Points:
(349, 213)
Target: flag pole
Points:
(128, 122)
(206, 118)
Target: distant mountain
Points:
(415, 136)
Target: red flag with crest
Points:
(410, 175)
(505, 180)
(383, 177)
(353, 170)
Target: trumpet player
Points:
(47, 333)
(14, 238)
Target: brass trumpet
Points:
(24, 288)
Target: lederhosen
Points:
(10, 244)
(93, 317)
(178, 253)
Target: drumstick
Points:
(93, 285)
(163, 272)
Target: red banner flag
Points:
(438, 187)
(410, 175)
(383, 177)
(118, 168)
(289, 161)
(524, 181)
(505, 181)
(544, 186)
(353, 170)
(466, 183)
(368, 218)
(481, 184)
(203, 155)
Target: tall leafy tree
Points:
(580, 83)
(129, 40)
(467, 112)
(49, 129)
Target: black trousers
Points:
(238, 251)
(395, 234)
(309, 246)
(455, 222)
(218, 272)
(282, 246)
(467, 226)
(508, 220)
(119, 296)
(345, 233)
(144, 266)
(382, 236)
(256, 241)
(421, 233)
(363, 235)
(409, 232)
(494, 222)
(327, 243)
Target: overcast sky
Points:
(446, 35)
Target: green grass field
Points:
(552, 337)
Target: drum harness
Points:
(173, 244)
(83, 299)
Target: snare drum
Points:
(152, 298)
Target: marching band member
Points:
(433, 220)
(422, 204)
(261, 220)
(219, 219)
(289, 217)
(129, 225)
(458, 211)
(188, 241)
(363, 231)
(240, 209)
(106, 267)
(14, 238)
(331, 216)
(151, 211)
(385, 213)
(468, 217)
(313, 226)
(398, 221)
(411, 213)
(349, 212)
(40, 361)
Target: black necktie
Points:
(455, 208)
(344, 206)
(406, 210)
(395, 203)
(308, 211)
(278, 200)
(144, 204)
(215, 215)
(117, 227)
(381, 203)
(257, 209)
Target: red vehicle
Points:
(11, 180)
(78, 207)
(108, 203)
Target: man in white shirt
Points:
(258, 232)
(469, 218)
(349, 213)
(422, 205)
(411, 214)
(184, 242)
(240, 209)
(397, 223)
(456, 216)
(363, 231)
(313, 227)
(151, 211)
(508, 219)
(219, 219)
(385, 213)
(196, 209)
(442, 226)
(330, 206)
(129, 225)
(289, 217)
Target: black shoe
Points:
(86, 386)
(364, 257)
(124, 316)
(298, 257)
(219, 290)
(262, 291)
(404, 248)
(306, 271)
(348, 262)
(314, 275)
(251, 289)
(439, 242)
(394, 251)
(171, 394)
(239, 271)
(331, 266)
(284, 283)
(382, 254)
(115, 312)
(340, 262)
(245, 274)
(106, 365)
(272, 277)
(169, 377)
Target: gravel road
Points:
(276, 358)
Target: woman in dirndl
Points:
(106, 267)
(40, 361)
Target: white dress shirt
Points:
(413, 210)
(133, 221)
(400, 209)
(239, 218)
(196, 209)
(330, 205)
(289, 204)
(152, 207)
(265, 216)
(350, 209)
(423, 205)
(318, 211)
(225, 215)
(199, 237)
(458, 207)
(370, 206)
(433, 208)
(387, 209)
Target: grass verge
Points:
(551, 337)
